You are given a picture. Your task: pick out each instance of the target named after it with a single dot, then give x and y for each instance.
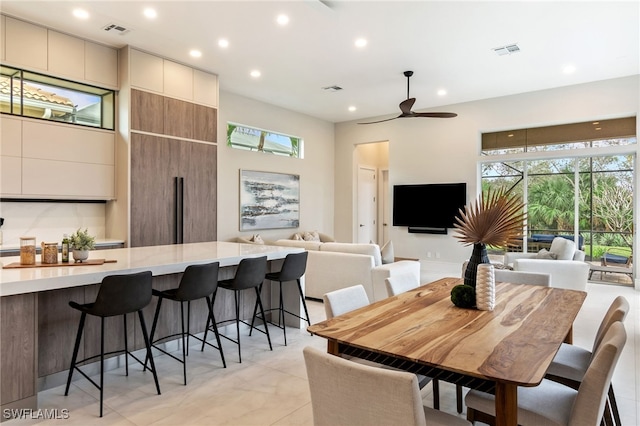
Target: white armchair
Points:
(563, 262)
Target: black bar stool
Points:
(118, 295)
(197, 282)
(250, 274)
(293, 269)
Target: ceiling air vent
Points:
(116, 29)
(333, 88)
(506, 50)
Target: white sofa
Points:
(332, 266)
(567, 270)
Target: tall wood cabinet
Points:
(173, 180)
(173, 184)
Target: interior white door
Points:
(367, 205)
(385, 206)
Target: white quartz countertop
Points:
(160, 260)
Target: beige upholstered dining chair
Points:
(552, 403)
(347, 393)
(571, 362)
(400, 283)
(344, 300)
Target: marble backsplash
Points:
(49, 221)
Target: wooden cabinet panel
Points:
(155, 163)
(153, 167)
(25, 44)
(10, 136)
(66, 55)
(205, 88)
(10, 175)
(63, 179)
(205, 123)
(67, 143)
(147, 112)
(200, 195)
(178, 118)
(101, 64)
(18, 331)
(178, 80)
(146, 71)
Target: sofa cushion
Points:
(307, 245)
(545, 254)
(368, 249)
(311, 236)
(563, 248)
(386, 252)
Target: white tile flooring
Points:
(270, 387)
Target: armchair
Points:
(563, 262)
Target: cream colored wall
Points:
(446, 150)
(316, 170)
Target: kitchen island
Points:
(37, 327)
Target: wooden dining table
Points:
(423, 332)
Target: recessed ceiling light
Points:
(442, 92)
(223, 42)
(195, 53)
(150, 13)
(361, 42)
(569, 69)
(255, 73)
(598, 128)
(595, 123)
(80, 13)
(282, 19)
(352, 108)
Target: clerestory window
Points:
(34, 95)
(252, 139)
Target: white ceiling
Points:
(448, 44)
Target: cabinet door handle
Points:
(178, 209)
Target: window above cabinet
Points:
(34, 95)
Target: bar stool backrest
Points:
(198, 281)
(294, 266)
(250, 272)
(121, 294)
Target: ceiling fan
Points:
(406, 105)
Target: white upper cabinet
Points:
(178, 80)
(26, 44)
(3, 24)
(146, 71)
(66, 55)
(205, 88)
(10, 136)
(36, 48)
(101, 64)
(159, 75)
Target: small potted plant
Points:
(81, 242)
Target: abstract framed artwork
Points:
(269, 200)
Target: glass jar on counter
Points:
(27, 250)
(49, 253)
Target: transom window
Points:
(34, 95)
(252, 139)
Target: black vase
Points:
(478, 256)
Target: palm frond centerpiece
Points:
(496, 219)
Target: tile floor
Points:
(270, 387)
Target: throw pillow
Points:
(256, 238)
(501, 266)
(297, 237)
(311, 236)
(545, 254)
(387, 252)
(563, 248)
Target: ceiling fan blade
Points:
(435, 114)
(381, 121)
(406, 105)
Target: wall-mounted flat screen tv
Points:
(428, 205)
